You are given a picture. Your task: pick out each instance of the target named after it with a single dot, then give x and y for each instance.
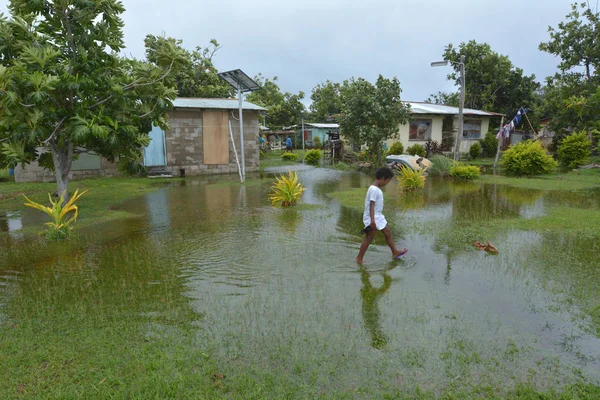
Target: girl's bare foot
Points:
(359, 260)
(400, 253)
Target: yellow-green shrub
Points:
(286, 190)
(464, 172)
(411, 179)
(60, 226)
(527, 158)
(396, 149)
(287, 156)
(574, 150)
(312, 157)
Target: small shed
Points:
(197, 142)
(320, 130)
(198, 139)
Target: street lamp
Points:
(462, 100)
(243, 83)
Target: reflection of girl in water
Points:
(370, 308)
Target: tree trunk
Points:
(62, 156)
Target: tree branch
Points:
(149, 112)
(134, 85)
(53, 135)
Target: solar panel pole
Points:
(242, 132)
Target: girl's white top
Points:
(374, 194)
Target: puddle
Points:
(280, 294)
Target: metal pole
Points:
(500, 142)
(242, 133)
(460, 109)
(303, 132)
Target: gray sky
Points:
(307, 42)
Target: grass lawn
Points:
(582, 179)
(95, 205)
(273, 159)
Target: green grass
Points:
(95, 206)
(582, 179)
(485, 162)
(273, 159)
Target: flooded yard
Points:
(212, 291)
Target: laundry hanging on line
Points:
(509, 128)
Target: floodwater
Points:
(277, 292)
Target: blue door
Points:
(155, 154)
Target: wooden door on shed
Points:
(215, 137)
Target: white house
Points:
(432, 121)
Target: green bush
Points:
(527, 158)
(574, 150)
(396, 149)
(440, 166)
(287, 156)
(475, 150)
(417, 149)
(312, 157)
(464, 172)
(261, 154)
(411, 179)
(317, 142)
(489, 145)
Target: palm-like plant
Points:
(286, 190)
(59, 227)
(411, 179)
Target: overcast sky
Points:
(307, 42)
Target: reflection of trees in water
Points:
(350, 221)
(484, 204)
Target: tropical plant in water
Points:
(411, 179)
(464, 172)
(440, 166)
(60, 226)
(286, 190)
(527, 158)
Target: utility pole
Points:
(460, 109)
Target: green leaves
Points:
(492, 82)
(372, 113)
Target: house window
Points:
(472, 129)
(420, 129)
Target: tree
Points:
(64, 87)
(576, 41)
(492, 82)
(443, 98)
(197, 76)
(571, 97)
(283, 109)
(372, 113)
(326, 101)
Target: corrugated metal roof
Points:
(223, 104)
(426, 108)
(323, 126)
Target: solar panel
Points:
(239, 80)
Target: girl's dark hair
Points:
(384, 173)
